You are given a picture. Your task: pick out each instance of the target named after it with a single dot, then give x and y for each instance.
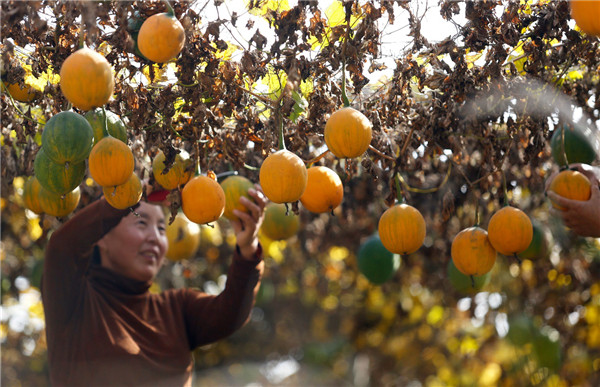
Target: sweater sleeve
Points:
(209, 318)
(68, 254)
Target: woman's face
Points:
(136, 247)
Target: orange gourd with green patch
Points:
(472, 252)
(183, 237)
(279, 223)
(402, 229)
(202, 200)
(235, 187)
(59, 205)
(180, 172)
(324, 190)
(348, 133)
(31, 195)
(111, 162)
(283, 177)
(572, 185)
(124, 195)
(510, 231)
(86, 79)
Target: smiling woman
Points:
(104, 327)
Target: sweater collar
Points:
(117, 283)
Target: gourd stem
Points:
(81, 37)
(399, 195)
(476, 214)
(170, 10)
(287, 209)
(564, 148)
(504, 189)
(105, 132)
(472, 281)
(517, 258)
(279, 119)
(345, 99)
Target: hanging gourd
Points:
(59, 205)
(86, 79)
(462, 283)
(67, 138)
(510, 231)
(31, 195)
(202, 200)
(348, 133)
(235, 187)
(587, 15)
(57, 178)
(111, 162)
(572, 185)
(472, 252)
(114, 125)
(124, 195)
(180, 172)
(376, 262)
(279, 222)
(402, 229)
(283, 177)
(570, 145)
(21, 92)
(183, 237)
(324, 190)
(161, 37)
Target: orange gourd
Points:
(21, 92)
(31, 195)
(279, 223)
(587, 15)
(348, 133)
(324, 190)
(510, 231)
(59, 205)
(572, 185)
(86, 79)
(183, 237)
(235, 187)
(402, 229)
(161, 37)
(111, 162)
(124, 195)
(283, 177)
(202, 200)
(472, 252)
(180, 172)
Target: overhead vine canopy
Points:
(463, 122)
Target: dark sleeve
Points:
(67, 256)
(209, 318)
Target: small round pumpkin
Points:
(279, 223)
(57, 178)
(283, 177)
(587, 15)
(472, 252)
(161, 37)
(21, 92)
(402, 229)
(111, 162)
(114, 125)
(59, 205)
(67, 138)
(572, 185)
(86, 79)
(572, 143)
(181, 170)
(124, 195)
(31, 195)
(202, 200)
(510, 231)
(235, 187)
(324, 190)
(376, 262)
(348, 133)
(183, 237)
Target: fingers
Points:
(559, 200)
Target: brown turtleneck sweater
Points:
(104, 329)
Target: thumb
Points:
(595, 190)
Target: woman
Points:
(103, 326)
